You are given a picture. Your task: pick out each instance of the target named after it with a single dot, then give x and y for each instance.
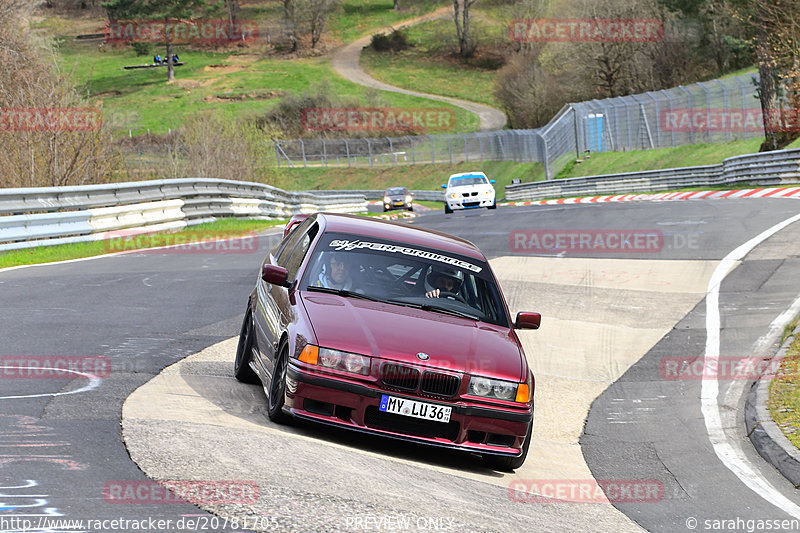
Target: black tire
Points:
(447, 209)
(277, 388)
(509, 464)
(411, 208)
(494, 205)
(244, 352)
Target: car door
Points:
(277, 309)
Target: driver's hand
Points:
(432, 294)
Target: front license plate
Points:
(405, 407)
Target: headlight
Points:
(492, 388)
(408, 198)
(451, 195)
(386, 199)
(344, 361)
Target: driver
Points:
(336, 274)
(443, 280)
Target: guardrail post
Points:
(433, 155)
(691, 107)
(277, 154)
(347, 150)
(411, 143)
(466, 150)
(391, 151)
(303, 148)
(324, 153)
(369, 149)
(577, 139)
(450, 148)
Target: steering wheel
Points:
(383, 277)
(452, 296)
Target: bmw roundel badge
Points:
(423, 356)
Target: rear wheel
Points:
(277, 388)
(508, 464)
(244, 352)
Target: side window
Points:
(295, 258)
(291, 241)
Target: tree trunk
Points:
(461, 14)
(170, 66)
(291, 24)
(767, 90)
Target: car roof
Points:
(476, 174)
(394, 231)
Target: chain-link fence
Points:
(713, 111)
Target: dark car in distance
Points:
(398, 198)
(389, 329)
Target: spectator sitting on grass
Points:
(157, 59)
(174, 58)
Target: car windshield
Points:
(402, 274)
(396, 190)
(468, 180)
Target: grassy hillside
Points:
(235, 83)
(430, 67)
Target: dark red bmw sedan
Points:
(389, 329)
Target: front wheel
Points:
(494, 205)
(508, 464)
(447, 209)
(244, 352)
(277, 388)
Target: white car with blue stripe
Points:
(469, 190)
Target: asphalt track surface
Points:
(145, 311)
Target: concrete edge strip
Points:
(764, 433)
(731, 457)
(670, 197)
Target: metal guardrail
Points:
(377, 194)
(764, 169)
(58, 215)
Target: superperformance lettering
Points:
(345, 244)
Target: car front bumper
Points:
(353, 405)
(469, 203)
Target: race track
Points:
(604, 408)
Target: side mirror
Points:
(527, 320)
(275, 275)
(492, 181)
(444, 186)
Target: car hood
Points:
(400, 333)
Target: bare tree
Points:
(315, 16)
(466, 47)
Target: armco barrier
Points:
(765, 169)
(57, 215)
(373, 194)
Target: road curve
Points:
(346, 63)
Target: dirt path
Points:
(346, 63)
